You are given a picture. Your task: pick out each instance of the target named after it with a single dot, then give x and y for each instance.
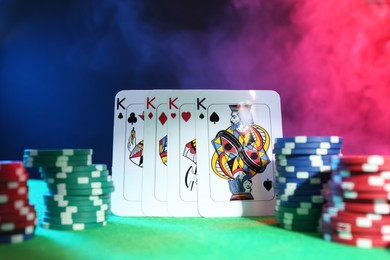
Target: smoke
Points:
(328, 60)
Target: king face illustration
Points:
(240, 152)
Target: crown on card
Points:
(240, 107)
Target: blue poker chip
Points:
(297, 186)
(313, 151)
(301, 181)
(323, 145)
(304, 163)
(15, 238)
(295, 204)
(298, 192)
(301, 198)
(301, 175)
(293, 168)
(310, 139)
(305, 158)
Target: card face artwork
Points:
(234, 137)
(182, 169)
(154, 185)
(128, 152)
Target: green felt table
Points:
(179, 238)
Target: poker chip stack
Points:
(18, 218)
(358, 208)
(302, 168)
(79, 191)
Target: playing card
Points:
(154, 185)
(182, 169)
(128, 153)
(234, 137)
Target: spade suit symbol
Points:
(214, 118)
(267, 184)
(132, 119)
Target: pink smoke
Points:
(329, 61)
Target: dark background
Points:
(62, 62)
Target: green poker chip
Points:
(57, 197)
(77, 226)
(56, 163)
(71, 192)
(303, 222)
(62, 158)
(78, 180)
(78, 209)
(75, 175)
(71, 186)
(299, 211)
(73, 169)
(70, 221)
(80, 215)
(300, 228)
(66, 203)
(293, 216)
(58, 152)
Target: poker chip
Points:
(65, 152)
(358, 195)
(298, 192)
(309, 139)
(292, 186)
(15, 238)
(282, 179)
(361, 160)
(74, 169)
(321, 145)
(17, 217)
(78, 180)
(295, 204)
(79, 191)
(313, 151)
(356, 240)
(299, 174)
(303, 166)
(75, 226)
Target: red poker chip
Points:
(355, 216)
(13, 177)
(375, 206)
(6, 166)
(374, 177)
(363, 222)
(344, 173)
(15, 204)
(343, 227)
(336, 198)
(9, 226)
(354, 195)
(11, 185)
(361, 159)
(368, 168)
(350, 235)
(18, 218)
(25, 230)
(357, 186)
(356, 241)
(15, 192)
(8, 198)
(21, 211)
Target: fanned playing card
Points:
(234, 139)
(128, 153)
(182, 177)
(154, 185)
